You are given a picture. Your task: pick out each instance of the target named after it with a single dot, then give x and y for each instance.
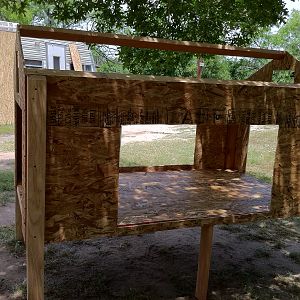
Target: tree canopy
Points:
(233, 22)
(237, 22)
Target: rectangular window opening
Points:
(157, 145)
(148, 197)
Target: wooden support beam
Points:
(18, 169)
(144, 42)
(18, 145)
(36, 169)
(204, 262)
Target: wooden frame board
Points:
(145, 42)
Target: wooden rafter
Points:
(145, 42)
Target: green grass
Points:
(6, 180)
(7, 146)
(7, 238)
(6, 129)
(6, 187)
(261, 153)
(158, 152)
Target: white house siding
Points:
(36, 49)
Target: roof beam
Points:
(145, 42)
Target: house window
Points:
(56, 62)
(31, 63)
(87, 68)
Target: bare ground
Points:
(248, 262)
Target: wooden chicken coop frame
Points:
(68, 127)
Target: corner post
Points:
(204, 261)
(36, 170)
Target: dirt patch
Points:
(248, 262)
(7, 214)
(12, 275)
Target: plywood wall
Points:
(7, 62)
(84, 118)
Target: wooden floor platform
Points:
(178, 195)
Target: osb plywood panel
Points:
(7, 65)
(286, 176)
(75, 56)
(85, 114)
(178, 195)
(106, 102)
(210, 147)
(221, 147)
(81, 182)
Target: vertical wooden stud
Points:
(204, 262)
(18, 169)
(18, 149)
(36, 168)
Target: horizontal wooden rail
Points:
(165, 79)
(144, 42)
(156, 168)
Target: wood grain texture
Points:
(36, 170)
(158, 196)
(209, 102)
(81, 182)
(286, 176)
(21, 95)
(75, 56)
(23, 213)
(155, 168)
(144, 42)
(204, 262)
(99, 75)
(7, 76)
(237, 146)
(210, 147)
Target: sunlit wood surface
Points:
(172, 195)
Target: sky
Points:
(292, 5)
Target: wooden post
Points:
(36, 169)
(18, 169)
(204, 262)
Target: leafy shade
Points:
(15, 11)
(288, 36)
(231, 22)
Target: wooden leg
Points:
(204, 262)
(36, 168)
